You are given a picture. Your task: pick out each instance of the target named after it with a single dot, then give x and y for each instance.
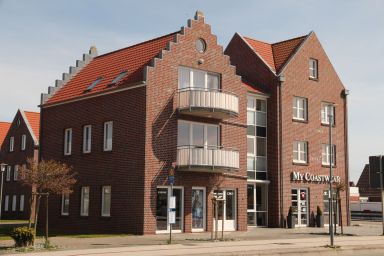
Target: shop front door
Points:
(300, 206)
(226, 210)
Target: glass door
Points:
(226, 210)
(162, 209)
(299, 199)
(257, 204)
(198, 209)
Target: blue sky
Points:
(40, 39)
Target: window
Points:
(256, 138)
(8, 176)
(327, 155)
(23, 141)
(15, 172)
(14, 201)
(84, 209)
(6, 203)
(11, 143)
(106, 201)
(65, 204)
(21, 203)
(299, 108)
(313, 69)
(201, 45)
(197, 135)
(68, 141)
(198, 209)
(93, 85)
(192, 78)
(300, 152)
(87, 134)
(108, 134)
(327, 112)
(118, 78)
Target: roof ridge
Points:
(287, 40)
(134, 45)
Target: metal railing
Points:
(210, 157)
(213, 99)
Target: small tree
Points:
(339, 187)
(46, 177)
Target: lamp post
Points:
(330, 122)
(2, 169)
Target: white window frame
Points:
(63, 198)
(191, 73)
(11, 143)
(108, 214)
(296, 109)
(108, 143)
(313, 68)
(204, 210)
(14, 203)
(190, 123)
(6, 203)
(87, 138)
(15, 172)
(326, 154)
(325, 107)
(8, 174)
(22, 203)
(68, 141)
(300, 147)
(181, 210)
(23, 141)
(82, 204)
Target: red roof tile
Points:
(277, 54)
(4, 127)
(110, 65)
(33, 119)
(253, 88)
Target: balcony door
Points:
(198, 79)
(197, 135)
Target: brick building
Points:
(20, 143)
(302, 88)
(127, 119)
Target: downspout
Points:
(346, 148)
(280, 146)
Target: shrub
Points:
(319, 212)
(23, 236)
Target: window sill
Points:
(298, 163)
(299, 120)
(327, 125)
(327, 166)
(316, 79)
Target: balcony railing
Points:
(208, 103)
(208, 159)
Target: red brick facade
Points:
(17, 157)
(282, 134)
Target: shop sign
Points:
(309, 177)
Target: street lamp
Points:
(2, 169)
(330, 123)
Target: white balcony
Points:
(208, 103)
(207, 159)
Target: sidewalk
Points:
(259, 236)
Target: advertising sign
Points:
(172, 216)
(172, 202)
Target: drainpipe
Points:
(280, 146)
(346, 149)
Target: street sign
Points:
(172, 202)
(172, 216)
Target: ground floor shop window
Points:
(299, 198)
(162, 208)
(198, 209)
(257, 204)
(226, 207)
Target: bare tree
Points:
(46, 177)
(339, 187)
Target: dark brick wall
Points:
(17, 157)
(122, 168)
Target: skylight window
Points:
(119, 77)
(96, 82)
